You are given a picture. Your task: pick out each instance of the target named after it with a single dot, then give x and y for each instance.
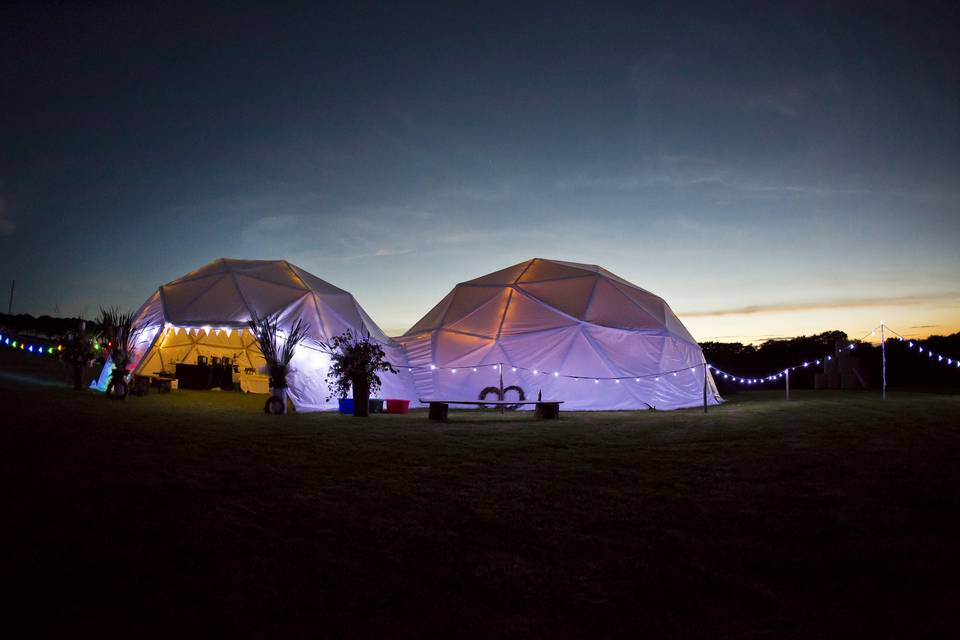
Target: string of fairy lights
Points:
(39, 347)
(32, 345)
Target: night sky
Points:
(769, 172)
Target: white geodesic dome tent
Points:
(572, 332)
(206, 313)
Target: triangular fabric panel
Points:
(486, 319)
(264, 298)
(570, 296)
(611, 308)
(467, 299)
(653, 305)
(524, 315)
(274, 272)
(434, 317)
(549, 270)
(502, 277)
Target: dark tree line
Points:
(42, 325)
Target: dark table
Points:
(204, 376)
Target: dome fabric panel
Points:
(611, 308)
(539, 270)
(502, 277)
(434, 317)
(524, 315)
(573, 332)
(265, 298)
(570, 295)
(466, 300)
(486, 319)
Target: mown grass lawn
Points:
(834, 514)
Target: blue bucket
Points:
(346, 405)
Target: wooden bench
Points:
(545, 409)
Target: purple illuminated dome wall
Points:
(205, 313)
(572, 332)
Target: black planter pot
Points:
(361, 398)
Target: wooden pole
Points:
(704, 387)
(788, 383)
(883, 357)
(500, 369)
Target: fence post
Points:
(500, 369)
(787, 371)
(704, 387)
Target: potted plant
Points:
(116, 337)
(78, 352)
(278, 352)
(356, 363)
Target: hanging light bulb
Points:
(617, 381)
(514, 369)
(535, 372)
(453, 370)
(432, 367)
(596, 381)
(474, 369)
(637, 380)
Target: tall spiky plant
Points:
(278, 352)
(116, 336)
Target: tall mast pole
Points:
(883, 357)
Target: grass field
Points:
(833, 515)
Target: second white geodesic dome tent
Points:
(571, 332)
(205, 313)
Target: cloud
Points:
(688, 78)
(788, 307)
(379, 253)
(6, 221)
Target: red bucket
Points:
(395, 405)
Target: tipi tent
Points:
(206, 312)
(573, 332)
